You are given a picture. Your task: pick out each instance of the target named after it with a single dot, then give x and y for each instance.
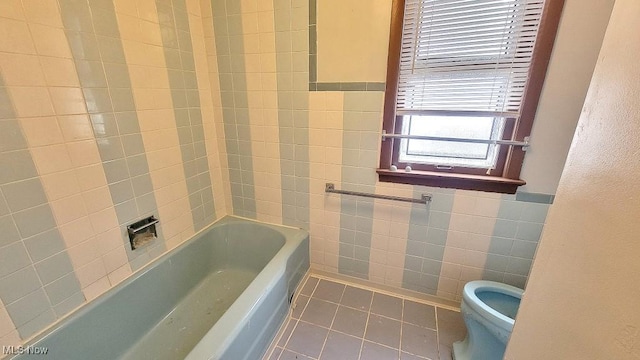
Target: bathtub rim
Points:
(289, 232)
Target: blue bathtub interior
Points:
(231, 282)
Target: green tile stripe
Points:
(37, 281)
(359, 156)
(534, 197)
(227, 23)
(514, 240)
(314, 85)
(356, 224)
(426, 240)
(293, 110)
(346, 86)
(183, 83)
(93, 35)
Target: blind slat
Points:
(466, 55)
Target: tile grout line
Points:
(387, 292)
(332, 320)
(284, 347)
(366, 325)
(290, 317)
(401, 326)
(399, 349)
(347, 334)
(39, 178)
(109, 89)
(437, 333)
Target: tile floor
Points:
(333, 321)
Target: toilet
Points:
(488, 309)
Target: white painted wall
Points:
(353, 40)
(582, 300)
(575, 52)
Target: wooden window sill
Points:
(449, 180)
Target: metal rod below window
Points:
(330, 188)
(503, 114)
(524, 143)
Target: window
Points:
(463, 82)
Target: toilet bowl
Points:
(488, 309)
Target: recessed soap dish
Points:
(142, 232)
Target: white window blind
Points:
(469, 56)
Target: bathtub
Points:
(221, 295)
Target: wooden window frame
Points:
(510, 158)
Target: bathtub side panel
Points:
(250, 324)
(297, 266)
(257, 334)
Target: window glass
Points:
(450, 153)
